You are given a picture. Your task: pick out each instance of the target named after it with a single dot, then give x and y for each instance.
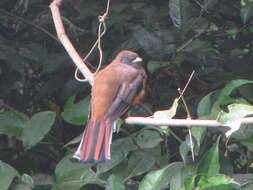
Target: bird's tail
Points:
(96, 141)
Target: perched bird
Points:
(115, 88)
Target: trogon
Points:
(115, 88)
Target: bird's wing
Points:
(126, 94)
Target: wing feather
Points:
(125, 96)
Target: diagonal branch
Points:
(54, 6)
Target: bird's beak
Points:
(137, 59)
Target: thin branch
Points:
(179, 122)
(188, 117)
(54, 6)
(181, 92)
(172, 133)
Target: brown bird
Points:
(115, 88)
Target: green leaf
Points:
(120, 171)
(43, 179)
(209, 108)
(76, 114)
(180, 14)
(21, 186)
(233, 117)
(224, 97)
(148, 138)
(12, 123)
(225, 92)
(246, 12)
(177, 12)
(139, 163)
(189, 182)
(167, 114)
(182, 176)
(114, 183)
(152, 180)
(221, 187)
(117, 157)
(235, 112)
(126, 142)
(209, 163)
(72, 175)
(118, 153)
(159, 179)
(185, 148)
(158, 154)
(199, 133)
(244, 140)
(203, 111)
(221, 182)
(65, 167)
(37, 127)
(7, 174)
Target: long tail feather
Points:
(95, 143)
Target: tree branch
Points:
(181, 122)
(54, 6)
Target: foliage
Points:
(43, 109)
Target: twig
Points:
(187, 84)
(181, 93)
(185, 104)
(54, 6)
(175, 135)
(188, 42)
(188, 117)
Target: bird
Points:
(119, 85)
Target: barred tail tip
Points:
(95, 143)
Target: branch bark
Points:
(54, 6)
(181, 122)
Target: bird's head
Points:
(130, 58)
